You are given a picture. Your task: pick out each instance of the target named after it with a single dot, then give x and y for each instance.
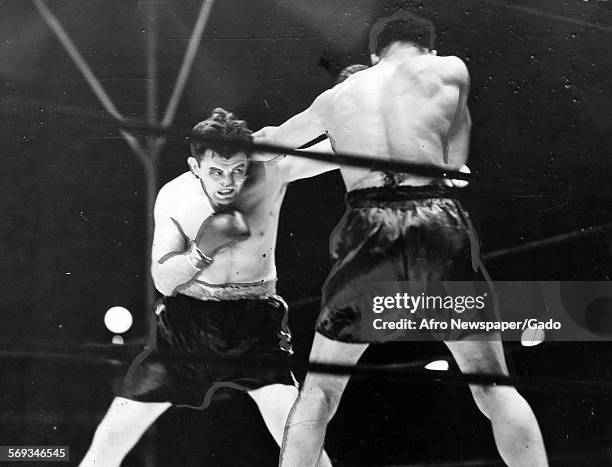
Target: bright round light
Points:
(118, 319)
(437, 365)
(532, 336)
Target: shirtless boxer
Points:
(213, 260)
(350, 70)
(412, 106)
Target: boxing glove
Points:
(456, 182)
(218, 231)
(462, 183)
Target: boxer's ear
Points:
(194, 167)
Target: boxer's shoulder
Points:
(179, 186)
(179, 192)
(450, 67)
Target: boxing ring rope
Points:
(413, 371)
(503, 253)
(515, 186)
(512, 186)
(544, 14)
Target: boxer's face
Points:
(221, 178)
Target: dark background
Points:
(73, 204)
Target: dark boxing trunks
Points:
(200, 346)
(395, 234)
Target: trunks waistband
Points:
(400, 193)
(233, 291)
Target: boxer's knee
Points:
(492, 400)
(321, 397)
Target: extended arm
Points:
(295, 132)
(297, 168)
(300, 128)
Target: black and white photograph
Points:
(306, 233)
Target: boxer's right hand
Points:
(462, 183)
(455, 182)
(221, 230)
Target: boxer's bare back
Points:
(411, 106)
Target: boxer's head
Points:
(401, 27)
(222, 170)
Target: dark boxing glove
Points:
(219, 231)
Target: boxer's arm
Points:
(298, 131)
(304, 126)
(459, 131)
(459, 137)
(172, 262)
(297, 168)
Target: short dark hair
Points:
(402, 27)
(350, 70)
(221, 124)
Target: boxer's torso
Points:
(398, 109)
(260, 200)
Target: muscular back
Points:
(411, 110)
